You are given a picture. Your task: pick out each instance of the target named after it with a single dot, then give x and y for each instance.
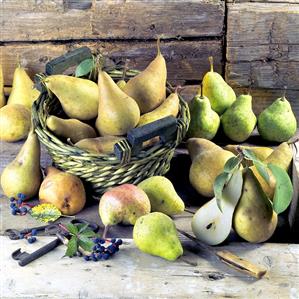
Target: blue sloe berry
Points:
(34, 232)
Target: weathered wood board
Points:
(31, 20)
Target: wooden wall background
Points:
(255, 43)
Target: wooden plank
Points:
(264, 1)
(186, 60)
(31, 20)
(132, 273)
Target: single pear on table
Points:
(23, 91)
(148, 88)
(208, 160)
(220, 94)
(79, 97)
(70, 128)
(238, 121)
(204, 121)
(2, 96)
(277, 122)
(23, 174)
(123, 204)
(254, 219)
(15, 122)
(118, 113)
(162, 195)
(170, 107)
(156, 234)
(63, 190)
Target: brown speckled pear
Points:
(148, 88)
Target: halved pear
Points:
(209, 224)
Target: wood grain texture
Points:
(264, 1)
(31, 20)
(186, 60)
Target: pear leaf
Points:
(231, 164)
(86, 243)
(218, 186)
(262, 170)
(45, 212)
(73, 229)
(283, 189)
(249, 155)
(84, 67)
(72, 247)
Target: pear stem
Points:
(189, 211)
(211, 60)
(201, 91)
(158, 46)
(18, 61)
(284, 92)
(125, 69)
(105, 231)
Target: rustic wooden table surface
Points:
(133, 274)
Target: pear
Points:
(170, 107)
(123, 204)
(70, 128)
(220, 94)
(162, 195)
(204, 121)
(156, 234)
(118, 113)
(23, 91)
(282, 156)
(15, 121)
(23, 174)
(121, 84)
(2, 96)
(238, 121)
(79, 97)
(254, 219)
(199, 145)
(64, 190)
(148, 88)
(211, 225)
(277, 122)
(208, 163)
(100, 145)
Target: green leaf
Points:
(218, 186)
(84, 67)
(249, 154)
(82, 227)
(45, 212)
(262, 170)
(88, 233)
(283, 189)
(72, 247)
(73, 229)
(231, 164)
(86, 243)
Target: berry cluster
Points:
(18, 206)
(30, 237)
(103, 249)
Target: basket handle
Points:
(165, 128)
(62, 63)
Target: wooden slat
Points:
(264, 1)
(186, 60)
(31, 20)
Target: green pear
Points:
(121, 84)
(162, 195)
(277, 122)
(254, 219)
(118, 113)
(70, 128)
(156, 234)
(211, 225)
(220, 94)
(23, 91)
(79, 97)
(2, 96)
(238, 121)
(204, 121)
(23, 174)
(15, 122)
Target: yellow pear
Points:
(170, 107)
(70, 128)
(282, 157)
(23, 91)
(254, 219)
(207, 164)
(15, 121)
(2, 96)
(148, 88)
(118, 113)
(79, 97)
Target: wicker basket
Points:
(129, 163)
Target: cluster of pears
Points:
(113, 108)
(15, 116)
(147, 206)
(217, 104)
(247, 197)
